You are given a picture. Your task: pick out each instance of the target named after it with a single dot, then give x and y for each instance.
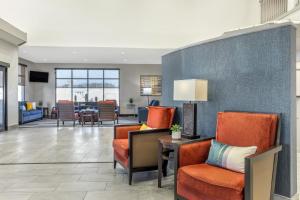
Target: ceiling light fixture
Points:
(123, 53)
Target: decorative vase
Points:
(176, 135)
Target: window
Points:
(81, 85)
(21, 82)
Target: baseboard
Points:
(11, 127)
(279, 197)
(128, 115)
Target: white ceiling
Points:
(147, 26)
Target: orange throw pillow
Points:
(160, 117)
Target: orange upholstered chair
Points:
(197, 180)
(136, 150)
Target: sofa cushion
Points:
(121, 147)
(247, 129)
(160, 117)
(35, 112)
(26, 113)
(203, 181)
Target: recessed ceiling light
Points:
(45, 59)
(85, 59)
(123, 53)
(125, 60)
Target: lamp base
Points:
(190, 120)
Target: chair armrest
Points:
(193, 152)
(143, 147)
(121, 131)
(260, 174)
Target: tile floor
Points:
(69, 181)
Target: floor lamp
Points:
(191, 90)
(147, 92)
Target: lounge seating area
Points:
(150, 100)
(98, 112)
(28, 113)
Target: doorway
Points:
(3, 98)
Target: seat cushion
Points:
(121, 147)
(206, 182)
(247, 129)
(25, 113)
(35, 112)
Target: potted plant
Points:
(131, 100)
(176, 131)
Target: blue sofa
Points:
(29, 116)
(143, 111)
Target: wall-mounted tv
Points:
(35, 76)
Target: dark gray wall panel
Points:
(250, 72)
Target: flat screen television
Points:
(35, 76)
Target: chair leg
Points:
(63, 122)
(165, 168)
(130, 177)
(57, 123)
(74, 123)
(115, 164)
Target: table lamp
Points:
(191, 90)
(147, 92)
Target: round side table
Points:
(166, 145)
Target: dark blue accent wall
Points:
(249, 72)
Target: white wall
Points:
(298, 115)
(129, 82)
(9, 54)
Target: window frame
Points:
(22, 76)
(88, 78)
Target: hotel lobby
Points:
(149, 100)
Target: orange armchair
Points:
(196, 180)
(136, 150)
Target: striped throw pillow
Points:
(229, 157)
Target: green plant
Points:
(131, 100)
(176, 128)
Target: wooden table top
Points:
(168, 142)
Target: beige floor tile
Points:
(14, 196)
(58, 196)
(108, 195)
(32, 187)
(56, 179)
(82, 186)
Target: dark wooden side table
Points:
(166, 145)
(87, 116)
(45, 112)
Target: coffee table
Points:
(88, 115)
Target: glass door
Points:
(2, 98)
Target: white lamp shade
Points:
(190, 90)
(147, 91)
